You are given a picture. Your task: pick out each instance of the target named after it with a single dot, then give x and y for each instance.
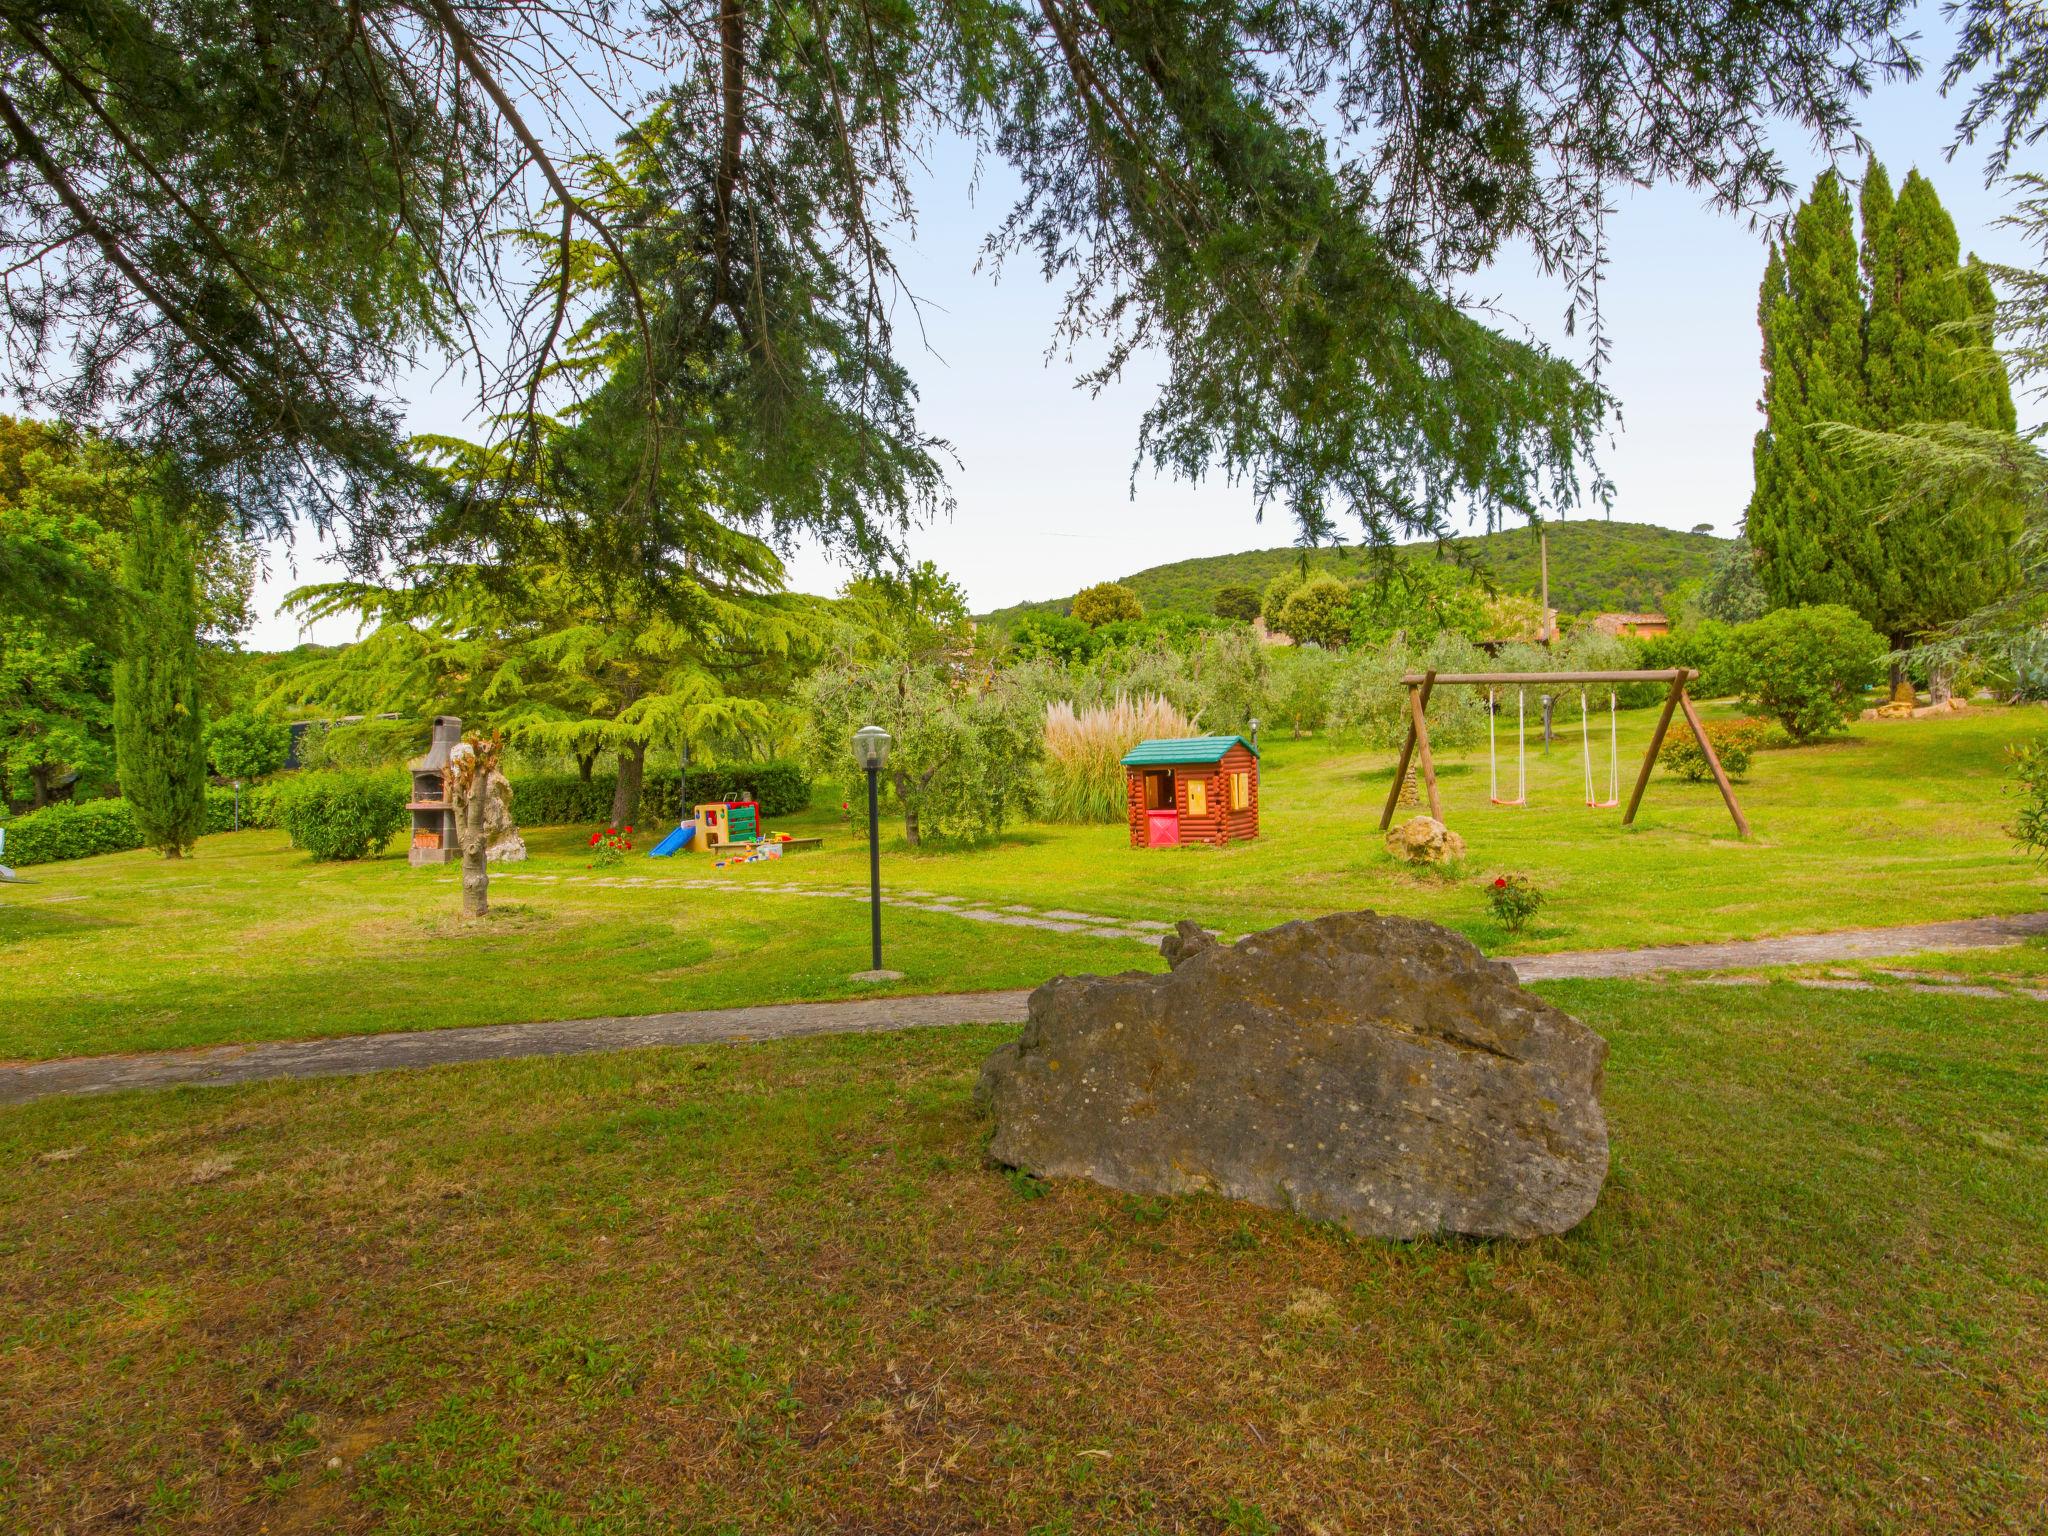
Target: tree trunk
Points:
(1941, 684)
(909, 809)
(39, 784)
(1902, 686)
(626, 798)
(476, 878)
(585, 761)
(473, 834)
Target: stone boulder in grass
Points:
(1377, 1072)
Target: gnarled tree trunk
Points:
(470, 767)
(626, 797)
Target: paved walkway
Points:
(354, 1054)
(1798, 949)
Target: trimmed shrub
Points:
(1804, 667)
(563, 799)
(1735, 743)
(341, 815)
(82, 829)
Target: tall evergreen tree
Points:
(159, 733)
(1808, 520)
(1924, 361)
(1896, 348)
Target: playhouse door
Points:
(1162, 829)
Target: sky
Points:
(1045, 498)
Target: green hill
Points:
(1594, 567)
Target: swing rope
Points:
(1613, 754)
(1521, 754)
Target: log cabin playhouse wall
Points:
(1195, 779)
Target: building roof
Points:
(1614, 623)
(1174, 750)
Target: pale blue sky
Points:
(1044, 486)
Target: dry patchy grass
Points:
(775, 1288)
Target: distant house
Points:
(1631, 626)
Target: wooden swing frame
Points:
(1421, 684)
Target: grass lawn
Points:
(249, 941)
(774, 1288)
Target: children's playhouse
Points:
(1192, 789)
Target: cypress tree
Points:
(1891, 350)
(1925, 362)
(1809, 517)
(159, 734)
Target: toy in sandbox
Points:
(1192, 789)
(733, 828)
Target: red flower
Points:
(629, 831)
(594, 837)
(1500, 882)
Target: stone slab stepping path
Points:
(355, 1054)
(1008, 914)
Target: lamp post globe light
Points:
(871, 751)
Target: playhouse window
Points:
(1198, 798)
(1159, 791)
(1241, 791)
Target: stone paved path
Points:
(355, 1054)
(1009, 915)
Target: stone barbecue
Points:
(434, 839)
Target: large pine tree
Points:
(1889, 350)
(159, 732)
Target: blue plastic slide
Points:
(680, 838)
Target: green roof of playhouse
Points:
(1174, 750)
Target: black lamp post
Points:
(871, 751)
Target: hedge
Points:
(79, 829)
(563, 799)
(335, 815)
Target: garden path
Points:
(1013, 914)
(351, 1055)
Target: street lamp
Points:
(871, 750)
(1255, 733)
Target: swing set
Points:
(1420, 685)
(1521, 797)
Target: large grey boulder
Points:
(1378, 1072)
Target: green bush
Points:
(1319, 612)
(80, 829)
(1704, 648)
(1235, 601)
(2029, 786)
(339, 815)
(1735, 743)
(245, 745)
(1804, 667)
(1107, 602)
(564, 800)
